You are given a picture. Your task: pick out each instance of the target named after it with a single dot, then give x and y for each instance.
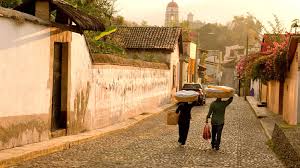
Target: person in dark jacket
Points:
(184, 110)
(217, 110)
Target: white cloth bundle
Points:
(186, 96)
(219, 92)
(186, 93)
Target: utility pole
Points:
(245, 81)
(196, 67)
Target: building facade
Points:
(52, 87)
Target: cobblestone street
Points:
(152, 143)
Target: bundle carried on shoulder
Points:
(219, 92)
(186, 96)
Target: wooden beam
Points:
(67, 27)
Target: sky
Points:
(210, 11)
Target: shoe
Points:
(217, 148)
(212, 146)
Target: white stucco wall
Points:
(81, 77)
(24, 68)
(255, 85)
(115, 93)
(121, 92)
(174, 60)
(24, 87)
(273, 96)
(298, 102)
(290, 96)
(184, 73)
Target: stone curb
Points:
(259, 111)
(266, 123)
(9, 157)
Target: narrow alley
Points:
(152, 143)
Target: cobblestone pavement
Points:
(152, 143)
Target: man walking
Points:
(217, 110)
(184, 110)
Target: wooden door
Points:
(59, 117)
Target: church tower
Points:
(172, 12)
(190, 18)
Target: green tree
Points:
(144, 23)
(243, 26)
(214, 37)
(185, 25)
(10, 3)
(217, 36)
(295, 25)
(103, 9)
(118, 21)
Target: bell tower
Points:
(172, 14)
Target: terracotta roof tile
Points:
(148, 37)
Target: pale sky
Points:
(211, 11)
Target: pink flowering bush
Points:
(270, 63)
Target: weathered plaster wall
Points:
(290, 97)
(273, 96)
(298, 102)
(24, 88)
(184, 73)
(263, 93)
(80, 86)
(255, 84)
(98, 95)
(174, 63)
(121, 92)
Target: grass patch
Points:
(286, 126)
(270, 144)
(117, 60)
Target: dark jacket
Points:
(184, 110)
(217, 110)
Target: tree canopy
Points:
(213, 36)
(10, 3)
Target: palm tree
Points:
(295, 25)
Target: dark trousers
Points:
(183, 131)
(216, 134)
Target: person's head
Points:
(218, 99)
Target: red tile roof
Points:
(148, 37)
